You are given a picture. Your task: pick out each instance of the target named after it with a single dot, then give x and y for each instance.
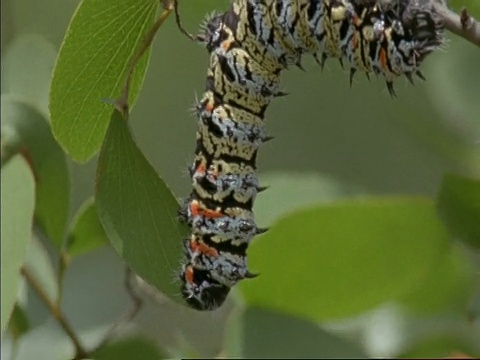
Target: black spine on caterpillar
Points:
(249, 46)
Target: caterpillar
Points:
(249, 46)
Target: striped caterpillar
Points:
(249, 46)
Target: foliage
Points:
(99, 43)
(343, 246)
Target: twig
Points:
(179, 23)
(130, 313)
(54, 308)
(463, 25)
(136, 299)
(64, 261)
(122, 102)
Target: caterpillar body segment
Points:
(249, 45)
(221, 181)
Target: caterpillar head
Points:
(210, 31)
(422, 25)
(200, 290)
(406, 32)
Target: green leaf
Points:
(47, 341)
(100, 42)
(233, 343)
(288, 192)
(87, 232)
(339, 259)
(25, 130)
(458, 204)
(136, 348)
(446, 287)
(18, 324)
(138, 211)
(438, 347)
(18, 201)
(270, 334)
(27, 70)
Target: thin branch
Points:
(122, 102)
(136, 299)
(179, 23)
(54, 308)
(463, 25)
(64, 261)
(130, 313)
(152, 293)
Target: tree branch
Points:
(129, 314)
(463, 25)
(54, 308)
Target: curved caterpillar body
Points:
(249, 46)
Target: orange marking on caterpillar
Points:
(196, 210)
(383, 58)
(202, 248)
(201, 168)
(213, 214)
(226, 44)
(209, 107)
(356, 20)
(189, 274)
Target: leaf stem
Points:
(122, 102)
(130, 313)
(64, 261)
(180, 26)
(463, 24)
(54, 308)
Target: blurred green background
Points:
(356, 140)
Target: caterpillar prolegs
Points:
(249, 46)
